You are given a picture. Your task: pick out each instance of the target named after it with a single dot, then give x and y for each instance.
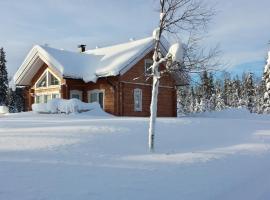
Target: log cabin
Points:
(117, 77)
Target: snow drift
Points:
(66, 106)
(232, 113)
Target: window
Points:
(76, 94)
(44, 98)
(53, 80)
(96, 96)
(147, 66)
(43, 81)
(137, 99)
(38, 99)
(43, 90)
(47, 79)
(55, 96)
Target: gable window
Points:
(75, 94)
(96, 96)
(43, 81)
(147, 67)
(47, 79)
(53, 80)
(137, 99)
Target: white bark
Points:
(153, 107)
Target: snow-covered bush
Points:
(65, 106)
(3, 109)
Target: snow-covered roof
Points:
(89, 65)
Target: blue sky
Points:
(241, 27)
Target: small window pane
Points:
(38, 99)
(42, 82)
(75, 96)
(138, 100)
(147, 66)
(46, 98)
(93, 97)
(55, 96)
(53, 80)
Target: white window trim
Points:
(134, 99)
(47, 71)
(76, 92)
(96, 91)
(147, 61)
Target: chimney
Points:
(81, 48)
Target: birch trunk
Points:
(153, 110)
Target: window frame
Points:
(42, 96)
(147, 71)
(46, 73)
(76, 92)
(135, 92)
(96, 91)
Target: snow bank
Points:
(3, 109)
(226, 113)
(66, 106)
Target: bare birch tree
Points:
(179, 16)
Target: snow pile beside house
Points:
(3, 109)
(67, 106)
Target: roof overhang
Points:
(30, 66)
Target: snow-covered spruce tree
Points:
(227, 90)
(177, 17)
(220, 105)
(207, 91)
(249, 91)
(259, 97)
(192, 98)
(236, 92)
(266, 80)
(19, 99)
(3, 78)
(15, 100)
(182, 101)
(12, 101)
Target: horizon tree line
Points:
(217, 93)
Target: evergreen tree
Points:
(211, 89)
(236, 92)
(12, 101)
(227, 90)
(183, 101)
(220, 105)
(3, 78)
(192, 98)
(249, 92)
(266, 83)
(16, 100)
(259, 101)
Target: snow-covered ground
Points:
(220, 156)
